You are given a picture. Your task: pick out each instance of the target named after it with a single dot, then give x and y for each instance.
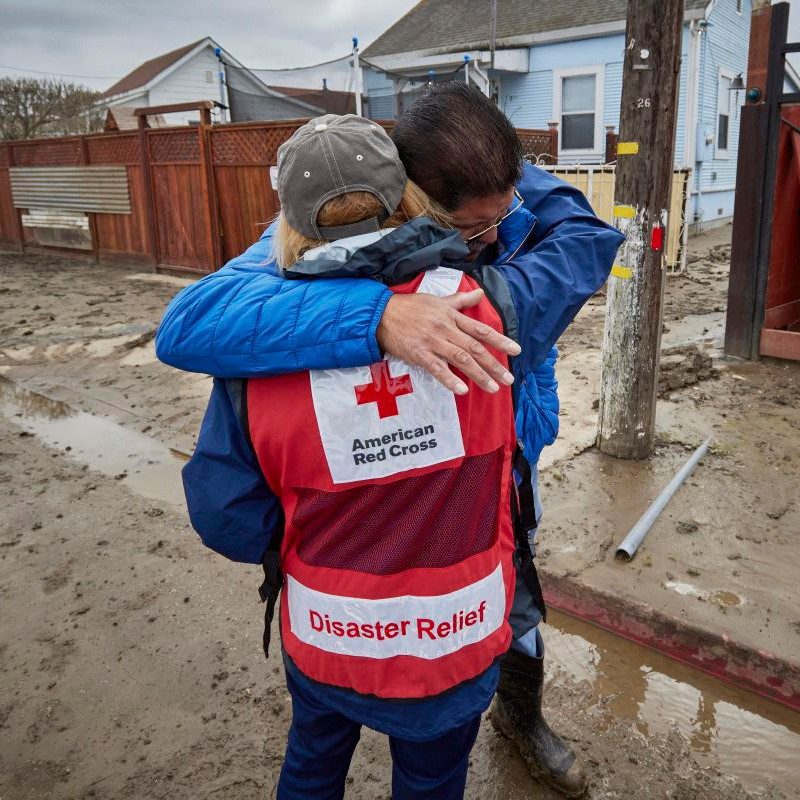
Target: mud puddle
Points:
(735, 731)
(144, 465)
(701, 329)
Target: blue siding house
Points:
(562, 62)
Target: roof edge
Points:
(543, 37)
(167, 71)
(115, 98)
(145, 84)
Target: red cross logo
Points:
(383, 390)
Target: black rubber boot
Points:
(517, 713)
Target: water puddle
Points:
(144, 465)
(735, 731)
(726, 599)
(700, 329)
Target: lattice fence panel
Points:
(49, 153)
(535, 144)
(174, 146)
(114, 149)
(248, 145)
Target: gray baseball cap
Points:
(331, 156)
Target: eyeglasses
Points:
(502, 219)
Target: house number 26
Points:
(643, 102)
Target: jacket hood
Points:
(391, 256)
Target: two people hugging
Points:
(385, 383)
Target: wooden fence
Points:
(199, 195)
(540, 144)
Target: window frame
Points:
(598, 72)
(723, 153)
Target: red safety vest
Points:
(397, 550)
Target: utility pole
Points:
(493, 34)
(492, 41)
(358, 77)
(645, 153)
(221, 77)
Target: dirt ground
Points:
(723, 554)
(130, 660)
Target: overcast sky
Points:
(108, 39)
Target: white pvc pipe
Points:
(357, 74)
(627, 549)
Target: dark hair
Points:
(456, 144)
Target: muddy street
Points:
(130, 655)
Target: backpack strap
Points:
(271, 587)
(273, 579)
(523, 517)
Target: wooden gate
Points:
(764, 291)
(780, 335)
(241, 155)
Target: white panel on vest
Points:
(425, 627)
(390, 417)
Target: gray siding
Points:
(380, 95)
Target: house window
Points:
(578, 97)
(724, 114)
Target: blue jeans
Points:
(321, 744)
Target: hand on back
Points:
(432, 333)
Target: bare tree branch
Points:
(31, 107)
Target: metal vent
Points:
(103, 190)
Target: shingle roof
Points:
(145, 72)
(454, 24)
(332, 102)
(121, 118)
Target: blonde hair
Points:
(355, 207)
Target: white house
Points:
(203, 70)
